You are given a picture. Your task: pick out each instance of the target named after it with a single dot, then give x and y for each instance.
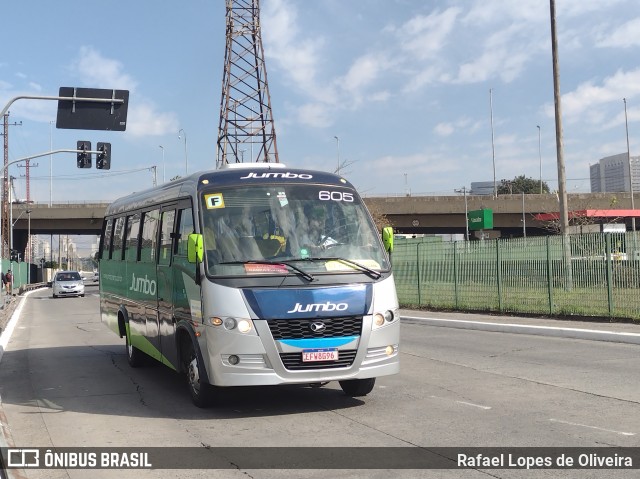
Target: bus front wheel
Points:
(135, 357)
(201, 392)
(358, 387)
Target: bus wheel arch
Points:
(192, 365)
(123, 318)
(135, 357)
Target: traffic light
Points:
(14, 255)
(84, 159)
(103, 160)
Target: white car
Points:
(67, 283)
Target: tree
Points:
(521, 184)
(379, 218)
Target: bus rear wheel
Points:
(135, 357)
(358, 387)
(200, 391)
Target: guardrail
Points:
(31, 286)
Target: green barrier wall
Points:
(592, 275)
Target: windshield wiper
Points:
(300, 271)
(360, 266)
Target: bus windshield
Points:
(317, 228)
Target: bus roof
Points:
(237, 174)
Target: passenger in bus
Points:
(316, 237)
(233, 241)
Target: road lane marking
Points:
(474, 405)
(622, 433)
(465, 403)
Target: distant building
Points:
(482, 188)
(611, 174)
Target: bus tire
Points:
(200, 391)
(135, 357)
(358, 387)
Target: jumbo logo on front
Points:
(328, 306)
(287, 175)
(143, 285)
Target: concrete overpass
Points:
(446, 214)
(408, 214)
(74, 218)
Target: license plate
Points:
(315, 355)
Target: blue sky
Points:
(403, 84)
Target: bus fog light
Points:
(233, 359)
(216, 321)
(229, 323)
(389, 350)
(244, 326)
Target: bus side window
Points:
(106, 239)
(131, 241)
(118, 238)
(149, 240)
(185, 228)
(166, 240)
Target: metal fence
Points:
(590, 275)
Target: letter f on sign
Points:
(214, 200)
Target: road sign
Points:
(480, 219)
(92, 109)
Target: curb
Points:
(5, 334)
(6, 440)
(574, 333)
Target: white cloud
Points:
(444, 129)
(626, 35)
(415, 164)
(98, 71)
(315, 115)
(588, 97)
(144, 119)
(293, 53)
(363, 72)
(425, 36)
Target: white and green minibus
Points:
(252, 274)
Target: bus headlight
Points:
(230, 324)
(244, 325)
(216, 321)
(380, 319)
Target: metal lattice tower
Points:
(246, 132)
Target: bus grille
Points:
(293, 361)
(300, 328)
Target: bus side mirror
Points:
(387, 238)
(194, 248)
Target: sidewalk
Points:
(594, 330)
(8, 307)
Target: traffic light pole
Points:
(70, 98)
(4, 172)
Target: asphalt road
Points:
(65, 382)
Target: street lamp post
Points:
(540, 157)
(155, 175)
(493, 148)
(338, 148)
(164, 179)
(29, 249)
(524, 219)
(626, 124)
(186, 161)
(466, 212)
